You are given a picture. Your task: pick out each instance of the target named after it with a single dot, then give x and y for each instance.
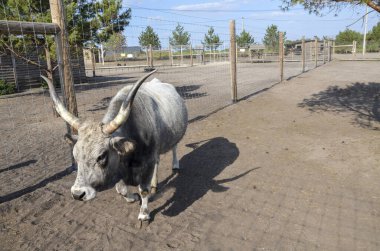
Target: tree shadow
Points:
(102, 105)
(362, 99)
(196, 177)
(187, 91)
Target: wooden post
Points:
(354, 47)
(324, 51)
(93, 61)
(333, 49)
(330, 56)
(316, 52)
(58, 17)
(181, 56)
(191, 56)
(281, 55)
(14, 68)
(171, 55)
(150, 56)
(147, 56)
(303, 54)
(233, 61)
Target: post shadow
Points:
(197, 174)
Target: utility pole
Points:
(365, 29)
(243, 26)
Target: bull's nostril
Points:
(79, 196)
(82, 195)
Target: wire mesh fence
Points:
(33, 151)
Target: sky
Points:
(252, 15)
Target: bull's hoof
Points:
(132, 198)
(144, 214)
(153, 190)
(144, 217)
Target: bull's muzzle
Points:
(83, 193)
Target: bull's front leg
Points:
(144, 211)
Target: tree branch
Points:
(25, 59)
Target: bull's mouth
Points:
(83, 193)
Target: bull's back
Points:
(168, 112)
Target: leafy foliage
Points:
(179, 36)
(374, 39)
(6, 88)
(211, 39)
(347, 36)
(244, 39)
(149, 37)
(317, 6)
(116, 42)
(271, 38)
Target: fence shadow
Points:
(362, 99)
(198, 170)
(187, 91)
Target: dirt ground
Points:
(292, 168)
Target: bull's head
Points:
(96, 151)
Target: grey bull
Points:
(142, 122)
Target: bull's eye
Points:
(102, 159)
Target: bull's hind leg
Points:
(175, 166)
(122, 189)
(153, 183)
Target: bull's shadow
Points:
(198, 170)
(361, 99)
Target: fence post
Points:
(303, 54)
(191, 56)
(181, 56)
(354, 47)
(316, 52)
(333, 49)
(324, 51)
(58, 17)
(150, 56)
(330, 55)
(281, 55)
(14, 68)
(233, 60)
(171, 55)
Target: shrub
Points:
(6, 88)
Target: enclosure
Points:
(280, 152)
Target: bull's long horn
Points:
(125, 108)
(62, 111)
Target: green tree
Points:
(316, 6)
(88, 24)
(244, 39)
(347, 36)
(116, 42)
(179, 36)
(149, 37)
(374, 39)
(272, 37)
(211, 39)
(374, 34)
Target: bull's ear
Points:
(71, 139)
(122, 145)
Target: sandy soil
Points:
(295, 167)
